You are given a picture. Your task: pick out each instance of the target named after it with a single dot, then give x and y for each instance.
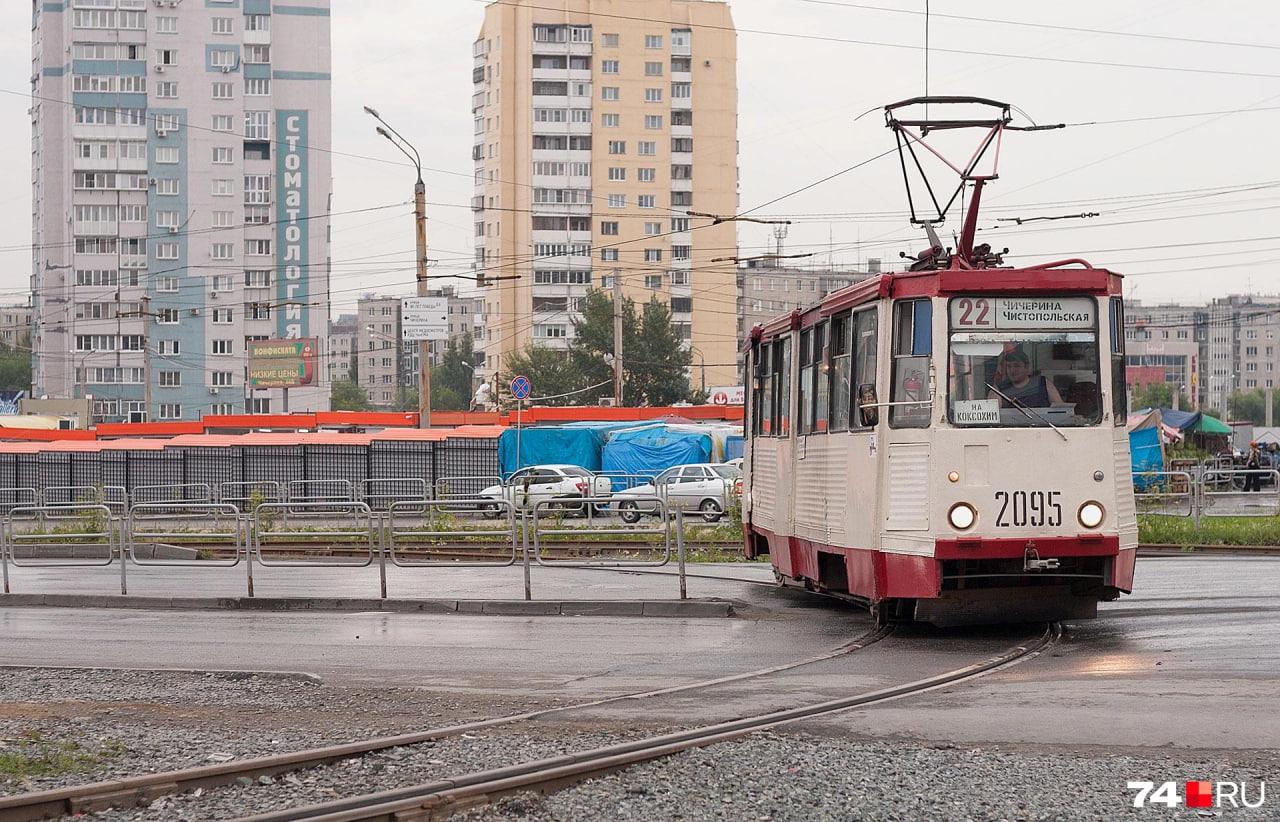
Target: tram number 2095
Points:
(1019, 509)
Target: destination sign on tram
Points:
(1022, 312)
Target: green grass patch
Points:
(1212, 530)
(32, 755)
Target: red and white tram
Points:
(947, 444)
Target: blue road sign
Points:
(521, 387)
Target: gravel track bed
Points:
(130, 723)
(775, 776)
(394, 768)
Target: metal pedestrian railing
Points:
(420, 533)
(183, 492)
(381, 494)
(73, 535)
(244, 495)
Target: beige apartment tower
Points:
(599, 124)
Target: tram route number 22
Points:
(973, 313)
(1019, 509)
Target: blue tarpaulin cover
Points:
(648, 450)
(578, 443)
(1144, 450)
(732, 447)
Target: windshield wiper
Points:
(1028, 411)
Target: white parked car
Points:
(539, 483)
(703, 487)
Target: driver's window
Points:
(912, 351)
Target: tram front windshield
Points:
(1026, 373)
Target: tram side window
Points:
(782, 386)
(865, 350)
(912, 350)
(1119, 391)
(804, 424)
(841, 389)
(821, 385)
(764, 391)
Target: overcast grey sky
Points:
(799, 96)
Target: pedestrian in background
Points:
(1253, 479)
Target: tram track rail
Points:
(442, 798)
(142, 790)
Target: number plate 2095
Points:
(1020, 509)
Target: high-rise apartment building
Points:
(180, 162)
(599, 125)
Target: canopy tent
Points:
(1209, 425)
(577, 443)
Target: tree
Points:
(660, 373)
(15, 365)
(1252, 406)
(551, 372)
(1156, 395)
(451, 380)
(348, 396)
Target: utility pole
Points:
(617, 338)
(420, 229)
(146, 357)
(424, 346)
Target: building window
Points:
(166, 25)
(167, 186)
(679, 224)
(167, 90)
(653, 121)
(261, 248)
(652, 229)
(222, 188)
(170, 379)
(609, 255)
(681, 91)
(257, 54)
(610, 120)
(257, 22)
(257, 125)
(223, 122)
(617, 146)
(167, 57)
(220, 58)
(609, 41)
(550, 331)
(167, 285)
(220, 378)
(617, 201)
(167, 316)
(223, 251)
(653, 41)
(166, 251)
(257, 189)
(683, 145)
(653, 255)
(257, 86)
(223, 155)
(681, 252)
(609, 66)
(653, 281)
(257, 279)
(222, 25)
(648, 148)
(646, 175)
(222, 316)
(682, 172)
(222, 91)
(260, 405)
(609, 93)
(617, 174)
(609, 228)
(653, 95)
(646, 201)
(653, 69)
(170, 411)
(679, 277)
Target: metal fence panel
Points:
(1223, 493)
(612, 535)
(212, 465)
(330, 462)
(85, 468)
(170, 524)
(273, 463)
(41, 536)
(243, 494)
(181, 492)
(379, 494)
(397, 458)
(54, 469)
(428, 528)
(342, 534)
(152, 468)
(467, 457)
(1165, 493)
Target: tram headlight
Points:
(962, 516)
(1091, 514)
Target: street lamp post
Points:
(420, 229)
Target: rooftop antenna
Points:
(779, 234)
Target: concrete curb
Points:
(679, 609)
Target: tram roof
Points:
(1045, 279)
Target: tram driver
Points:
(1019, 384)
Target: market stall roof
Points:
(1209, 425)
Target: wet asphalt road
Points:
(1191, 661)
